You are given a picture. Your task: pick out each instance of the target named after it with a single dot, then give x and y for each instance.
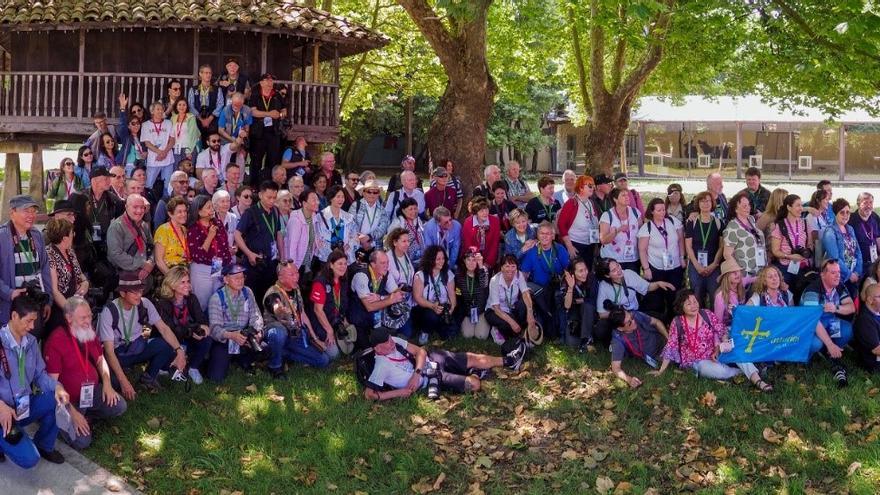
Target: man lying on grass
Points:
(402, 368)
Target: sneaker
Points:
(840, 376)
(497, 337)
(278, 373)
(150, 384)
(423, 338)
(163, 373)
(196, 376)
(514, 359)
(52, 456)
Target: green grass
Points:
(554, 429)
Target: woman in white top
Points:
(818, 219)
(618, 229)
(434, 294)
(185, 131)
(340, 231)
(400, 267)
(619, 288)
(662, 255)
(509, 309)
(305, 237)
(578, 222)
(229, 220)
(408, 218)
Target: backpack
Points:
(365, 361)
(137, 344)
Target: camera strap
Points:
(7, 371)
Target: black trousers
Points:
(578, 324)
(260, 279)
(518, 315)
(265, 152)
(659, 302)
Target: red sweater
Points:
(469, 237)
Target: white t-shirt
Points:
(360, 284)
(107, 333)
(658, 247)
(503, 295)
(624, 248)
(157, 135)
(218, 161)
(625, 297)
(392, 369)
(585, 220)
(434, 289)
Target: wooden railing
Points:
(72, 97)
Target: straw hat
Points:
(729, 265)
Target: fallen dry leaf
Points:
(439, 481)
(423, 486)
(570, 455)
(474, 489)
(604, 485)
(771, 436)
(709, 399)
(276, 398)
(623, 487)
(853, 468)
(154, 423)
(251, 388)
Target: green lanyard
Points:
(22, 377)
(704, 235)
(272, 227)
(234, 310)
(26, 250)
(373, 218)
(436, 283)
(616, 293)
(548, 209)
(126, 329)
(548, 261)
(470, 286)
(405, 267)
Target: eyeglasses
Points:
(88, 153)
(214, 141)
(371, 192)
(116, 176)
(354, 179)
(175, 88)
(67, 163)
(181, 181)
(245, 196)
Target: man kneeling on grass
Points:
(635, 334)
(405, 368)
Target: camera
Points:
(803, 251)
(14, 436)
(146, 331)
(193, 329)
(261, 262)
(446, 314)
(250, 334)
(610, 306)
(405, 288)
(205, 112)
(340, 329)
(34, 291)
(433, 376)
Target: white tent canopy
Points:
(733, 109)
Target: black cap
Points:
(267, 75)
(379, 335)
(232, 269)
(62, 206)
(99, 172)
(620, 175)
(602, 179)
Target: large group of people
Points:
(196, 239)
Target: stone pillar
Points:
(739, 149)
(11, 184)
(35, 187)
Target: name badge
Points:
(475, 316)
(651, 361)
(703, 257)
(267, 121)
(216, 267)
(628, 251)
(794, 267)
(234, 348)
(667, 260)
(873, 251)
(274, 250)
(834, 328)
(86, 395)
(96, 232)
(760, 257)
(22, 407)
(593, 236)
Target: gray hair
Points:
(293, 180)
(157, 104)
(489, 170)
(440, 212)
(73, 303)
(277, 168)
(220, 195)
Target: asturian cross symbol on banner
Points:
(753, 335)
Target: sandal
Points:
(763, 386)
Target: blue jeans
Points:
(429, 321)
(282, 347)
(154, 172)
(707, 368)
(846, 333)
(218, 362)
(24, 454)
(704, 287)
(157, 353)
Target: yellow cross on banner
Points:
(754, 334)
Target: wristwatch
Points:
(418, 372)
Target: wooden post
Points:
(303, 57)
(336, 64)
(195, 54)
(739, 149)
(316, 62)
(35, 187)
(264, 50)
(11, 183)
(82, 69)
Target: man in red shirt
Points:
(74, 358)
(440, 194)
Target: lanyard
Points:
(182, 314)
(616, 292)
(179, 128)
(157, 128)
(214, 163)
(471, 282)
(435, 283)
(371, 219)
(126, 329)
(270, 226)
(234, 310)
(266, 101)
(589, 209)
(508, 294)
(548, 209)
(795, 232)
(704, 235)
(204, 93)
(413, 231)
(69, 187)
(549, 261)
(750, 229)
(82, 357)
(22, 367)
(686, 328)
(663, 233)
(181, 238)
(293, 304)
(235, 118)
(621, 224)
(779, 301)
(868, 233)
(337, 296)
(637, 353)
(405, 268)
(336, 235)
(138, 235)
(374, 281)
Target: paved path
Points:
(76, 476)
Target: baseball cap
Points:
(602, 179)
(620, 175)
(440, 172)
(62, 206)
(232, 269)
(22, 201)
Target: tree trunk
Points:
(35, 186)
(605, 134)
(458, 131)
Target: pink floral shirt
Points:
(687, 345)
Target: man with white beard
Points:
(74, 358)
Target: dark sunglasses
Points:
(88, 153)
(245, 196)
(371, 192)
(214, 141)
(116, 176)
(354, 179)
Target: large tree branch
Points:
(579, 62)
(653, 55)
(360, 63)
(619, 54)
(793, 14)
(597, 55)
(428, 22)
